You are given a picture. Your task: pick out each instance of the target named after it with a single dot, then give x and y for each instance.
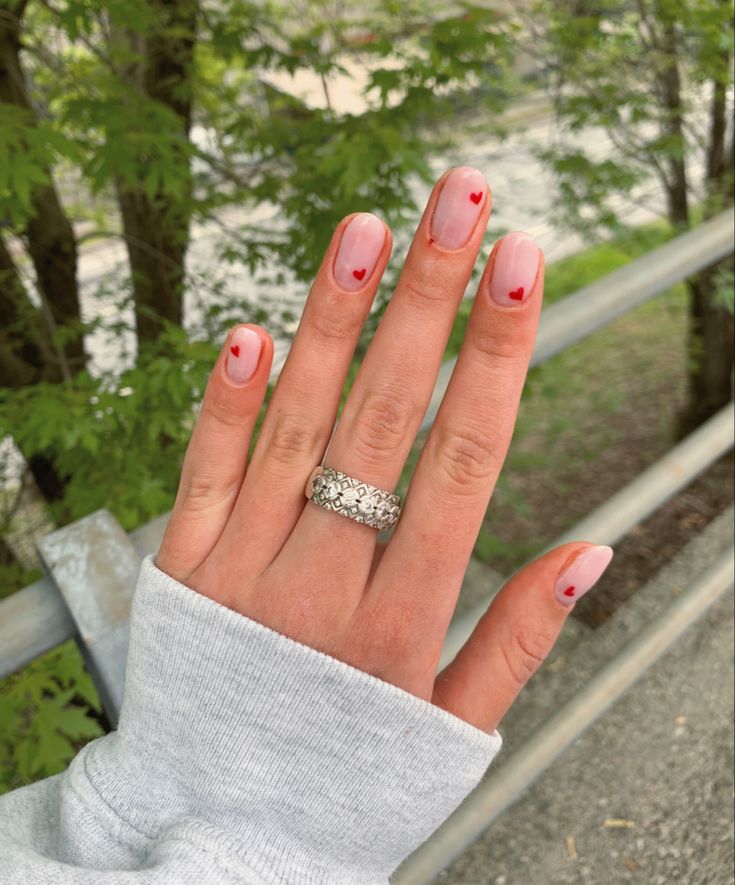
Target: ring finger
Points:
(465, 450)
(396, 379)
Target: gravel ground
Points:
(646, 794)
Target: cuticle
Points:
(573, 557)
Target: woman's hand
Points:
(245, 535)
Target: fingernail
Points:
(582, 574)
(243, 356)
(361, 244)
(514, 270)
(458, 207)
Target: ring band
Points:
(353, 498)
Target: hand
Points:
(246, 536)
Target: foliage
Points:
(47, 711)
(650, 74)
(275, 170)
(119, 439)
(656, 78)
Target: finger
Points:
(517, 633)
(215, 460)
(464, 453)
(303, 407)
(395, 381)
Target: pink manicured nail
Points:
(458, 207)
(515, 268)
(242, 359)
(361, 244)
(582, 574)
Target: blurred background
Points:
(171, 167)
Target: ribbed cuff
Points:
(317, 771)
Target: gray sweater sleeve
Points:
(242, 756)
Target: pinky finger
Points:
(516, 634)
(215, 461)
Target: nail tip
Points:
(522, 235)
(369, 216)
(462, 167)
(609, 552)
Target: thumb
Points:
(516, 633)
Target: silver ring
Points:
(353, 498)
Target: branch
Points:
(144, 245)
(89, 45)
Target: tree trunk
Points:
(26, 358)
(712, 327)
(52, 246)
(48, 234)
(157, 229)
(20, 354)
(156, 241)
(719, 172)
(670, 84)
(711, 330)
(710, 333)
(29, 351)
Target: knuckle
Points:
(333, 325)
(524, 650)
(465, 458)
(501, 348)
(222, 408)
(382, 424)
(293, 441)
(205, 490)
(424, 289)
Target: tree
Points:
(656, 75)
(31, 350)
(132, 119)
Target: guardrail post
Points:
(95, 566)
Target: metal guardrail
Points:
(508, 781)
(87, 596)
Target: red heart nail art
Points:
(569, 591)
(359, 274)
(516, 294)
(235, 350)
(476, 197)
